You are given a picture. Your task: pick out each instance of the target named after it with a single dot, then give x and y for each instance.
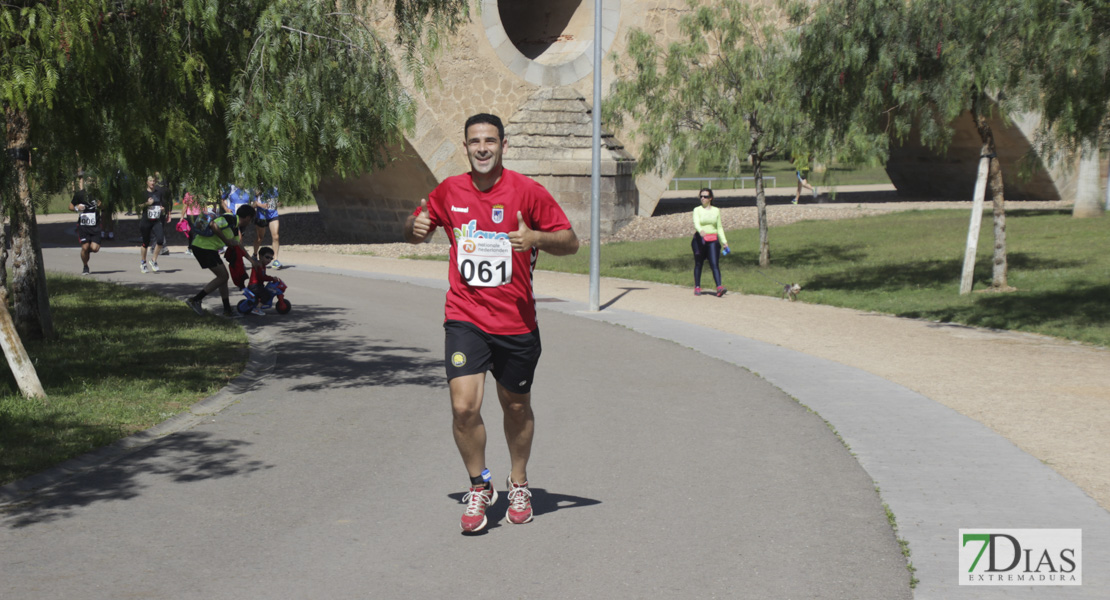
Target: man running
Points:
(500, 220)
(88, 221)
(152, 223)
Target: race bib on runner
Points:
(484, 262)
(87, 219)
(154, 213)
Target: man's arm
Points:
(418, 228)
(558, 243)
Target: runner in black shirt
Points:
(88, 221)
(151, 222)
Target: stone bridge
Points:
(532, 64)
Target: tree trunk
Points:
(20, 363)
(1087, 201)
(761, 210)
(1000, 267)
(31, 302)
(3, 249)
(967, 279)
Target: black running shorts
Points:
(88, 235)
(152, 230)
(512, 358)
(206, 258)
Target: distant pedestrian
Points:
(801, 171)
(167, 214)
(232, 198)
(709, 239)
(209, 238)
(266, 219)
(190, 211)
(152, 223)
(88, 221)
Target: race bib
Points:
(484, 262)
(154, 212)
(87, 219)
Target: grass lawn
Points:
(906, 264)
(783, 172)
(124, 360)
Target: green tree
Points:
(1070, 63)
(283, 92)
(726, 93)
(889, 65)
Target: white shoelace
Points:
(475, 500)
(519, 497)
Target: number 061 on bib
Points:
(485, 262)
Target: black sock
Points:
(200, 296)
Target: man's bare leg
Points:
(467, 424)
(520, 427)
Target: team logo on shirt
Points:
(458, 359)
(470, 230)
(498, 213)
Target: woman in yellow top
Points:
(708, 240)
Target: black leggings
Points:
(712, 251)
(152, 229)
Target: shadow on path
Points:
(184, 457)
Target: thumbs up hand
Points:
(422, 224)
(524, 238)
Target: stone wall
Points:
(485, 69)
(492, 67)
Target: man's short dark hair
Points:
(485, 118)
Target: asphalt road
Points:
(331, 473)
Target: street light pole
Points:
(595, 172)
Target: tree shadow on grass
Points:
(184, 457)
(921, 274)
(815, 254)
(124, 323)
(1085, 306)
(675, 263)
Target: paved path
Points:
(669, 469)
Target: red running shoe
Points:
(477, 500)
(697, 291)
(721, 291)
(520, 502)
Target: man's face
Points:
(484, 148)
(150, 182)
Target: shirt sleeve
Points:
(697, 221)
(546, 215)
(721, 229)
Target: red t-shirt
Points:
(491, 285)
(258, 275)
